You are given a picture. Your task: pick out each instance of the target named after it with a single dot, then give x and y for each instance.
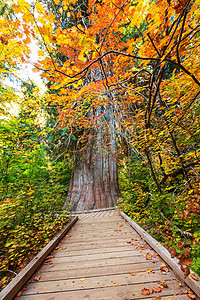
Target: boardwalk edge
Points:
(165, 255)
(11, 290)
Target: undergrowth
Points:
(33, 189)
(172, 218)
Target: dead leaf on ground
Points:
(132, 273)
(113, 282)
(164, 269)
(185, 270)
(148, 271)
(185, 260)
(193, 276)
(82, 279)
(50, 256)
(37, 278)
(191, 295)
(157, 289)
(157, 298)
(163, 283)
(146, 292)
(137, 247)
(149, 256)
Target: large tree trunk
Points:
(94, 182)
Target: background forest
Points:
(125, 73)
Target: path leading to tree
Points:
(102, 257)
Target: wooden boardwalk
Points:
(102, 257)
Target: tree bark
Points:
(94, 182)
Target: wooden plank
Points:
(98, 263)
(97, 295)
(111, 291)
(106, 220)
(96, 256)
(102, 230)
(96, 236)
(94, 242)
(93, 246)
(101, 227)
(92, 282)
(82, 252)
(17, 283)
(94, 210)
(95, 271)
(165, 255)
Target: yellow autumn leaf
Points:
(82, 279)
(81, 57)
(41, 53)
(39, 7)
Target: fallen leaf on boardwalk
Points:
(113, 282)
(37, 278)
(132, 273)
(193, 276)
(149, 271)
(82, 279)
(51, 256)
(149, 256)
(146, 292)
(191, 295)
(163, 283)
(154, 261)
(164, 269)
(157, 298)
(157, 289)
(185, 270)
(137, 247)
(169, 298)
